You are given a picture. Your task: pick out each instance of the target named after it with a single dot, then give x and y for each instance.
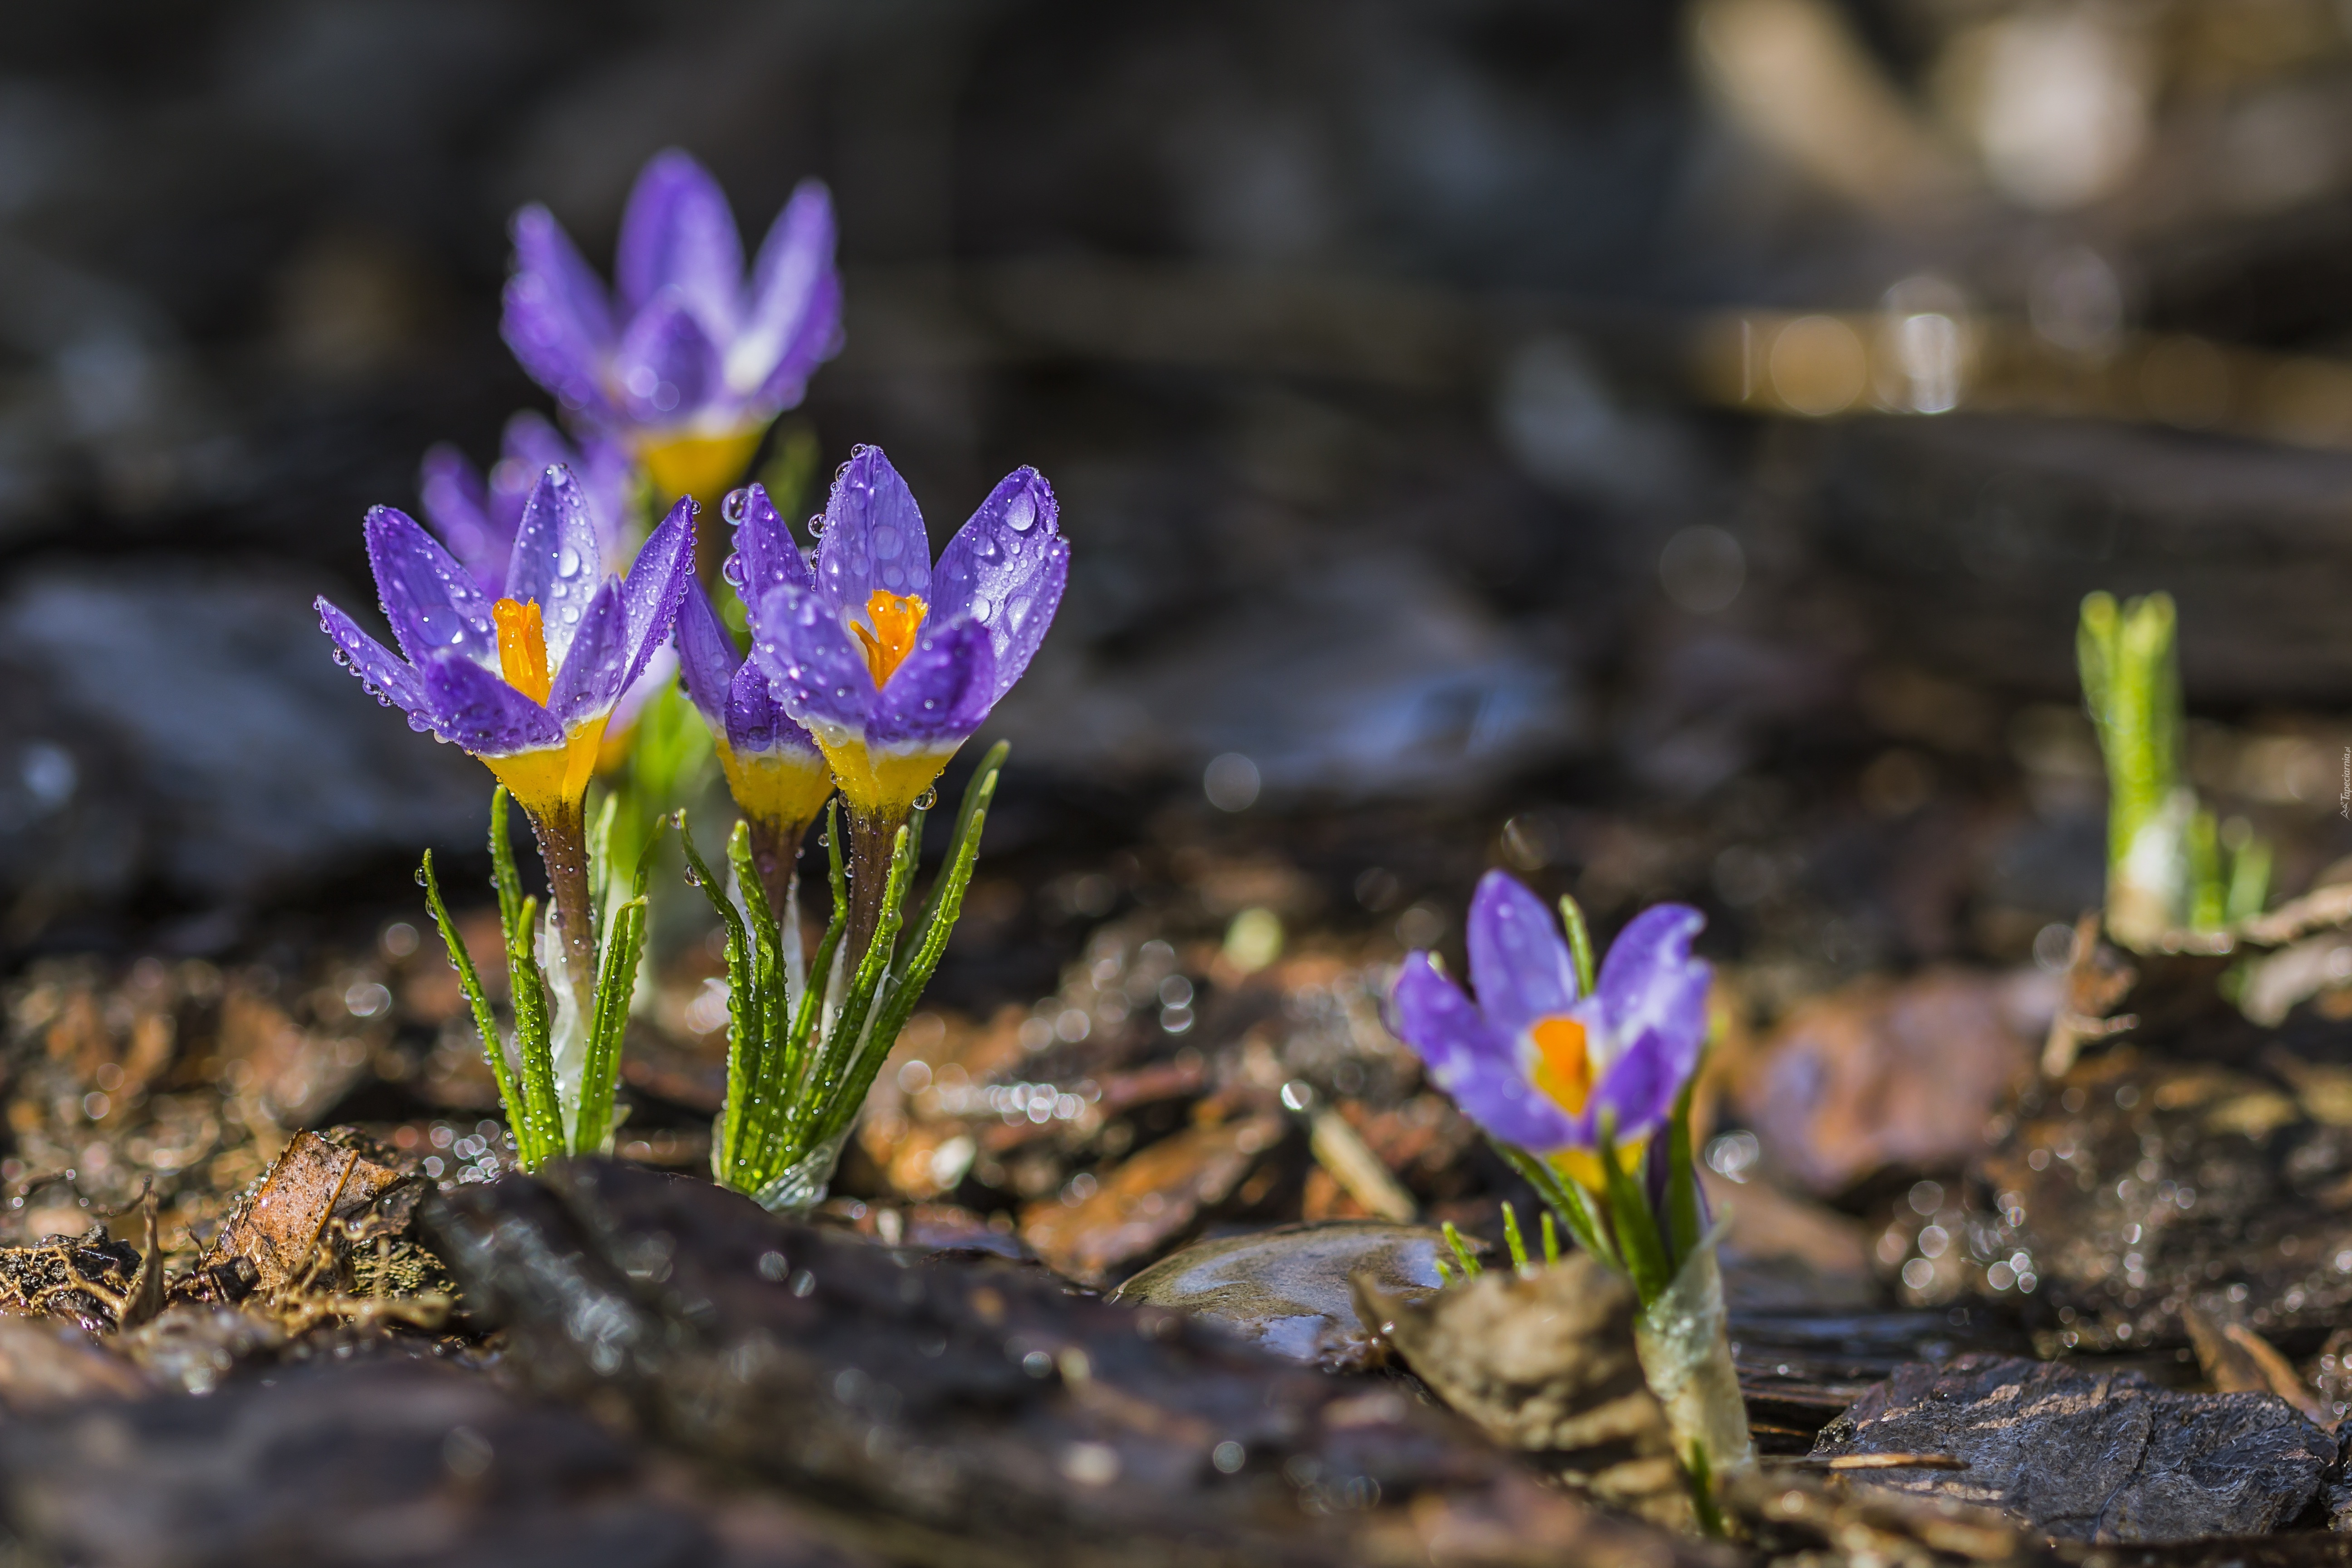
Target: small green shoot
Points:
(1511, 1237)
(1471, 1266)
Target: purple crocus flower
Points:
(773, 767)
(1536, 1065)
(688, 362)
(890, 661)
(529, 682)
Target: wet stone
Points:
(1287, 1289)
(972, 1410)
(2132, 1189)
(398, 1462)
(2090, 1455)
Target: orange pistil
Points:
(892, 637)
(1564, 1067)
(522, 649)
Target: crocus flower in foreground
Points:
(1536, 1065)
(528, 682)
(687, 363)
(892, 662)
(773, 767)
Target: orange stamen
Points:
(1563, 1066)
(893, 636)
(522, 649)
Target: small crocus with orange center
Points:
(528, 682)
(688, 362)
(774, 769)
(1580, 1081)
(892, 662)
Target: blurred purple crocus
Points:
(686, 363)
(773, 767)
(1536, 1065)
(475, 515)
(527, 682)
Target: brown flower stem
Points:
(776, 855)
(564, 850)
(871, 841)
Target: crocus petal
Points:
(706, 654)
(476, 710)
(770, 557)
(756, 722)
(385, 672)
(656, 586)
(1519, 965)
(874, 536)
(433, 602)
(556, 319)
(458, 505)
(1475, 1063)
(596, 668)
(556, 559)
(1639, 1086)
(1650, 982)
(818, 671)
(667, 366)
(677, 233)
(817, 341)
(792, 283)
(1006, 568)
(940, 694)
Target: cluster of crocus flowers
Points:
(890, 661)
(1584, 1083)
(527, 681)
(687, 361)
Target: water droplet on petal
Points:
(732, 570)
(1022, 515)
(571, 615)
(731, 507)
(841, 691)
(816, 526)
(567, 565)
(980, 608)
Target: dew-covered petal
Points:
(770, 556)
(556, 559)
(816, 668)
(756, 722)
(555, 318)
(942, 693)
(1471, 1060)
(656, 585)
(874, 536)
(458, 506)
(1519, 964)
(706, 654)
(792, 308)
(1650, 980)
(475, 709)
(596, 668)
(1006, 568)
(667, 366)
(384, 670)
(433, 602)
(677, 233)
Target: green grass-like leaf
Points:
(1631, 1221)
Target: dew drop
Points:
(571, 615)
(567, 565)
(886, 541)
(980, 608)
(420, 877)
(1022, 515)
(824, 840)
(930, 703)
(732, 570)
(930, 798)
(816, 526)
(841, 691)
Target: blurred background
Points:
(1657, 447)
